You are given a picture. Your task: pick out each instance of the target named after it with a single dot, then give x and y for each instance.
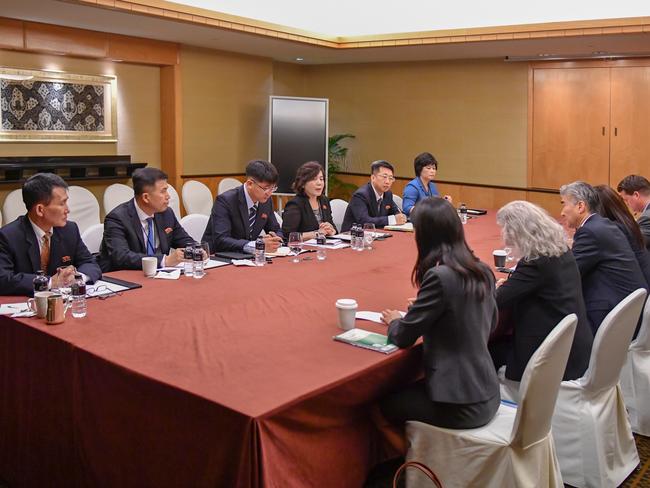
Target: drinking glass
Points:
(509, 256)
(368, 235)
(295, 244)
(201, 256)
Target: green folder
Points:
(367, 340)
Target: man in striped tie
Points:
(43, 239)
(241, 214)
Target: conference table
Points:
(232, 380)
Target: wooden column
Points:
(171, 121)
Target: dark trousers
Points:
(413, 403)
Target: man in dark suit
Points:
(43, 239)
(373, 203)
(143, 226)
(635, 190)
(607, 264)
(239, 215)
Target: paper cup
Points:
(499, 258)
(347, 308)
(149, 266)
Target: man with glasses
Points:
(373, 203)
(241, 214)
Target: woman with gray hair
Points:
(544, 288)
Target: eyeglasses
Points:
(102, 292)
(386, 177)
(270, 189)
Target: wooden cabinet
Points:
(589, 123)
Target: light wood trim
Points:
(195, 15)
(144, 51)
(48, 38)
(530, 132)
(171, 123)
(592, 63)
(65, 40)
(11, 34)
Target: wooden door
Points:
(630, 123)
(570, 135)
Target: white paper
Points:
(243, 262)
(343, 237)
(168, 274)
(372, 316)
(408, 227)
(337, 244)
(211, 263)
(281, 252)
(13, 308)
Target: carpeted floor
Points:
(382, 476)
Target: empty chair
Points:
(13, 206)
(338, 211)
(194, 225)
(84, 207)
(92, 237)
(398, 201)
(635, 378)
(116, 194)
(227, 184)
(197, 198)
(516, 448)
(174, 201)
(593, 438)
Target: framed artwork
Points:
(50, 106)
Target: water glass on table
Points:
(368, 235)
(201, 255)
(295, 244)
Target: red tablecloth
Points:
(232, 380)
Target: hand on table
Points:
(389, 315)
(175, 257)
(327, 228)
(400, 219)
(63, 277)
(272, 242)
(410, 301)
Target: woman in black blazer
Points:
(309, 211)
(544, 288)
(454, 312)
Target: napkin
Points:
(168, 274)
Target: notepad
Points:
(367, 340)
(407, 227)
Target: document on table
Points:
(102, 288)
(407, 227)
(281, 252)
(331, 244)
(372, 316)
(19, 309)
(212, 263)
(367, 340)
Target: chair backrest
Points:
(612, 342)
(116, 194)
(92, 237)
(84, 207)
(338, 207)
(398, 201)
(642, 341)
(227, 184)
(174, 201)
(540, 384)
(197, 198)
(13, 206)
(194, 225)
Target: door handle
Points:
(615, 131)
(603, 130)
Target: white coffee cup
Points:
(38, 304)
(149, 266)
(347, 308)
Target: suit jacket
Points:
(363, 208)
(123, 246)
(20, 257)
(608, 267)
(539, 294)
(644, 223)
(298, 215)
(640, 252)
(457, 365)
(227, 228)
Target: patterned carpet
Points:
(640, 477)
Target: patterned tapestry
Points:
(54, 106)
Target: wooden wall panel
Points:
(146, 51)
(65, 40)
(548, 201)
(11, 33)
(630, 115)
(171, 123)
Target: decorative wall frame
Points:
(48, 106)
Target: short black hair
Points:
(633, 183)
(423, 160)
(377, 165)
(261, 171)
(38, 188)
(146, 177)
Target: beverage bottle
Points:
(357, 237)
(321, 252)
(188, 261)
(78, 290)
(40, 281)
(197, 251)
(260, 259)
(463, 213)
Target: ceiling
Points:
(132, 24)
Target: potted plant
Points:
(337, 162)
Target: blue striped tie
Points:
(252, 213)
(151, 247)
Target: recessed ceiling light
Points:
(545, 55)
(300, 59)
(599, 53)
